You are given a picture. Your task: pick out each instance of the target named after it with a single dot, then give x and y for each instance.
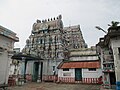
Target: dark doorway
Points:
(41, 71)
(35, 71)
(78, 74)
(112, 78)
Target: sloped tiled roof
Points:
(84, 64)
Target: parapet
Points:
(50, 23)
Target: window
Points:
(66, 69)
(92, 69)
(66, 74)
(119, 50)
(40, 41)
(45, 31)
(53, 68)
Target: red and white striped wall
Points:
(49, 78)
(70, 80)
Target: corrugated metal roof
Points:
(90, 64)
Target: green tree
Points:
(114, 24)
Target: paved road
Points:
(54, 86)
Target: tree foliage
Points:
(114, 24)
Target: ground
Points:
(54, 86)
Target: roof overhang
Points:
(28, 57)
(79, 64)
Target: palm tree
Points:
(114, 24)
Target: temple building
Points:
(83, 66)
(7, 40)
(74, 38)
(108, 49)
(46, 41)
(51, 42)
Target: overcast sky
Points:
(19, 16)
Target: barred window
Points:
(65, 69)
(92, 69)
